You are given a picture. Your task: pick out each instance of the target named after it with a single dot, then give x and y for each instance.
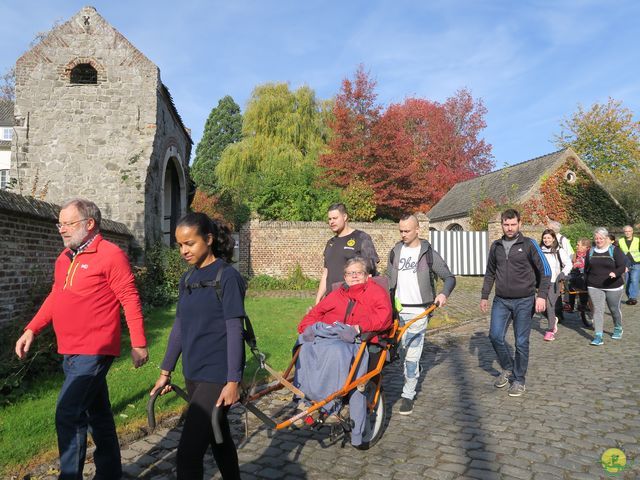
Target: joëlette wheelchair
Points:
(577, 286)
(311, 416)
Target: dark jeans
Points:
(197, 435)
(83, 404)
(503, 312)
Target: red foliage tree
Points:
(355, 114)
(413, 153)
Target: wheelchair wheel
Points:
(374, 424)
(587, 319)
(586, 314)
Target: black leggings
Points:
(197, 435)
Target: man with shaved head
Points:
(412, 267)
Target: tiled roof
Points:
(6, 114)
(511, 183)
(31, 207)
(174, 110)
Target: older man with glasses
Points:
(630, 246)
(92, 279)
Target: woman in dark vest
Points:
(208, 334)
(604, 266)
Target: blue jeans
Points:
(633, 278)
(503, 312)
(412, 344)
(83, 404)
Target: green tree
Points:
(360, 199)
(283, 133)
(223, 127)
(625, 188)
(606, 137)
(298, 196)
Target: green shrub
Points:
(577, 230)
(295, 281)
(360, 200)
(17, 376)
(158, 279)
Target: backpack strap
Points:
(217, 284)
(560, 259)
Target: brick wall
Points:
(29, 245)
(276, 248)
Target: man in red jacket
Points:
(92, 279)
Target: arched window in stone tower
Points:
(84, 74)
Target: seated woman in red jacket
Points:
(370, 303)
(327, 341)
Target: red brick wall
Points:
(276, 248)
(29, 245)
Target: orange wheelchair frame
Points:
(370, 383)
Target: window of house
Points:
(84, 74)
(7, 133)
(4, 178)
(455, 227)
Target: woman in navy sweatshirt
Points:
(208, 334)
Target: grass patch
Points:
(27, 429)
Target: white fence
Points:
(465, 252)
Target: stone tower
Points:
(95, 120)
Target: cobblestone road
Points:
(580, 401)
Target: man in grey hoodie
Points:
(412, 267)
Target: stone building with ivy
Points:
(95, 120)
(558, 186)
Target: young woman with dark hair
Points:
(560, 263)
(208, 334)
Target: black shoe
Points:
(632, 301)
(406, 406)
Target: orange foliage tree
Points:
(412, 153)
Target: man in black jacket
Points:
(516, 264)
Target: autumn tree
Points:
(282, 136)
(412, 153)
(355, 114)
(606, 136)
(223, 127)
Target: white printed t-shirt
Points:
(407, 289)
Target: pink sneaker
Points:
(549, 336)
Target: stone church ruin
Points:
(95, 120)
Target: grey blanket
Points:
(326, 355)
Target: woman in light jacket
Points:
(560, 263)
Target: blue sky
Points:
(531, 62)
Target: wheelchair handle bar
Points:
(215, 415)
